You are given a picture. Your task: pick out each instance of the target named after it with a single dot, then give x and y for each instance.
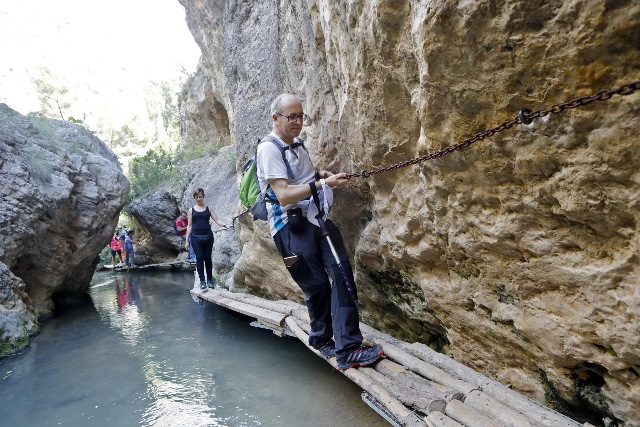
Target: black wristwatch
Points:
(317, 175)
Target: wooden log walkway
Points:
(413, 385)
(173, 265)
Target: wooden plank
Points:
(426, 401)
(424, 369)
(438, 419)
(466, 416)
(270, 317)
(534, 410)
(419, 384)
(495, 410)
(277, 306)
(176, 264)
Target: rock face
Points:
(519, 255)
(154, 240)
(62, 190)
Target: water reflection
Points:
(120, 307)
(177, 396)
(122, 293)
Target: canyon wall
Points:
(517, 255)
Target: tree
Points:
(126, 136)
(54, 97)
(149, 171)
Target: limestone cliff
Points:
(62, 190)
(518, 255)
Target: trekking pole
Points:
(233, 220)
(325, 233)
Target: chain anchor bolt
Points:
(523, 115)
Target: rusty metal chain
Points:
(525, 116)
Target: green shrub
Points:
(39, 167)
(149, 171)
(105, 257)
(11, 346)
(198, 152)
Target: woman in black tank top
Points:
(200, 236)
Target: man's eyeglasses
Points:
(295, 117)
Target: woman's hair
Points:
(198, 191)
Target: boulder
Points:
(155, 240)
(62, 190)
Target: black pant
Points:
(202, 247)
(332, 309)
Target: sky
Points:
(106, 51)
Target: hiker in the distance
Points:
(199, 234)
(182, 223)
(307, 254)
(115, 249)
(130, 259)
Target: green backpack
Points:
(249, 188)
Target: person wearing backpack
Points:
(333, 311)
(200, 235)
(130, 259)
(180, 227)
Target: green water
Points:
(144, 353)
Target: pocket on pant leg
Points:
(300, 269)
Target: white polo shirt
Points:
(271, 166)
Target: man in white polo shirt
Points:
(307, 255)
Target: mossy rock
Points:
(8, 347)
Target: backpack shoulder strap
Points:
(282, 151)
(301, 142)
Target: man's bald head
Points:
(283, 100)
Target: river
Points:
(144, 353)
